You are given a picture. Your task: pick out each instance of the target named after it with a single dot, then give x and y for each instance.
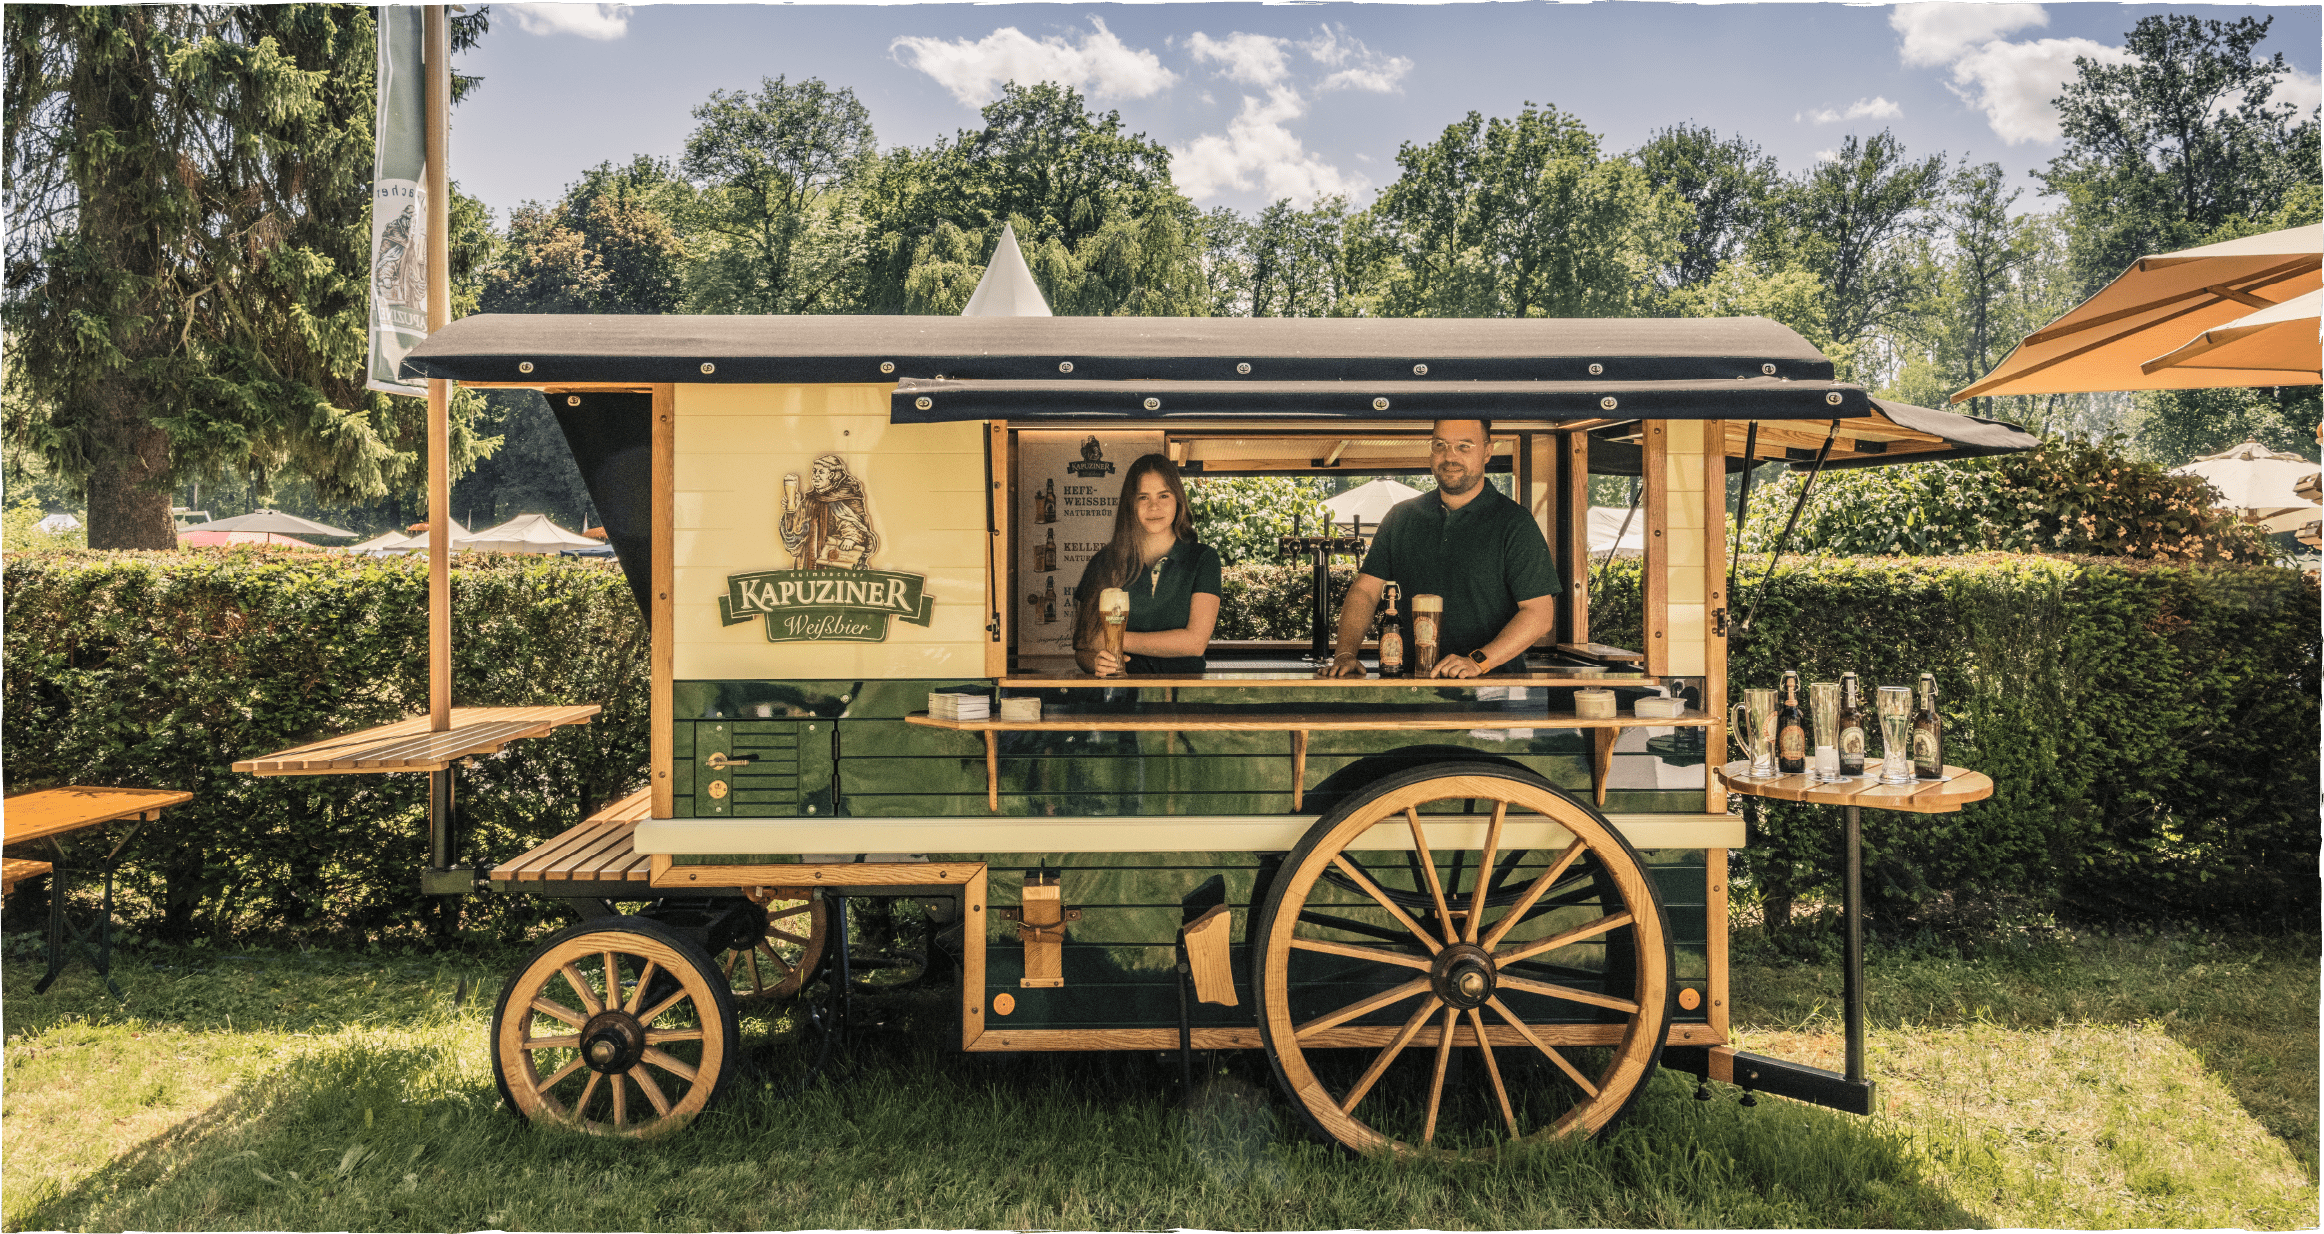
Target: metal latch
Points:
(720, 762)
(1041, 918)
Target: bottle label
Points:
(1852, 741)
(1391, 650)
(1924, 750)
(1792, 743)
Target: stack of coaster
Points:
(1659, 708)
(962, 706)
(1020, 709)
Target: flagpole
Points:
(436, 51)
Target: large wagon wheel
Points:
(785, 958)
(1495, 923)
(617, 1027)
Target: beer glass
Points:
(1427, 610)
(790, 492)
(1755, 731)
(1824, 716)
(1113, 606)
(1895, 706)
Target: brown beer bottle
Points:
(1928, 734)
(1391, 638)
(1851, 726)
(1791, 728)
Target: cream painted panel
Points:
(1684, 511)
(1685, 586)
(1687, 631)
(867, 399)
(812, 661)
(1684, 436)
(888, 476)
(686, 510)
(1687, 551)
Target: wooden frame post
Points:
(1000, 572)
(1714, 610)
(1654, 464)
(436, 48)
(663, 638)
(1573, 535)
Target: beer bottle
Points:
(1851, 727)
(1928, 734)
(1391, 638)
(1791, 728)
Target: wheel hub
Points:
(612, 1041)
(1463, 976)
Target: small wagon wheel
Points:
(1494, 923)
(783, 960)
(617, 1027)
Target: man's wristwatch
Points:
(1479, 657)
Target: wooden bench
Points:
(14, 870)
(409, 744)
(597, 850)
(49, 816)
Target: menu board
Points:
(1068, 486)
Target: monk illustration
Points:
(829, 525)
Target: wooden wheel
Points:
(1490, 965)
(785, 958)
(617, 1027)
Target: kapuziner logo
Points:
(832, 594)
(1093, 460)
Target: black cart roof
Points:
(1159, 369)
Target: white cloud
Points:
(603, 22)
(1252, 59)
(2302, 90)
(1359, 67)
(974, 71)
(1940, 33)
(1875, 108)
(2014, 83)
(1826, 156)
(1258, 151)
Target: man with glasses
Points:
(1469, 544)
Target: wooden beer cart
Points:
(1453, 914)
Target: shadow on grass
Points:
(374, 1134)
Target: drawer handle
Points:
(720, 762)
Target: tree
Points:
(2167, 149)
(609, 246)
(1979, 289)
(187, 271)
(778, 172)
(1848, 221)
(1521, 218)
(1729, 184)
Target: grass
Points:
(2091, 1083)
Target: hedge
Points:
(160, 669)
(2151, 730)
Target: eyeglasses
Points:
(1464, 449)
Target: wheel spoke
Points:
(559, 1012)
(768, 950)
(581, 1105)
(1444, 1034)
(1493, 1069)
(1568, 993)
(1590, 929)
(1428, 872)
(662, 1008)
(1380, 1061)
(1484, 867)
(581, 989)
(663, 1036)
(572, 1042)
(683, 1071)
(1330, 922)
(645, 976)
(1533, 892)
(786, 936)
(645, 1084)
(758, 980)
(1374, 954)
(1538, 1044)
(1372, 889)
(558, 1076)
(1418, 985)
(612, 980)
(620, 1100)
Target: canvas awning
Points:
(1893, 433)
(2154, 309)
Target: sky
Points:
(1261, 102)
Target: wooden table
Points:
(409, 745)
(1959, 787)
(47, 817)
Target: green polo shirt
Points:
(1162, 598)
(1483, 558)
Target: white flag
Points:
(399, 203)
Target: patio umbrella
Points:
(526, 533)
(1369, 502)
(1606, 524)
(2282, 339)
(211, 537)
(275, 521)
(2154, 309)
(2258, 482)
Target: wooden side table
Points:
(48, 817)
(1958, 788)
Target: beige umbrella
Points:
(1370, 502)
(526, 533)
(2282, 340)
(2258, 482)
(275, 521)
(2154, 309)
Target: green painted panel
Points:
(893, 700)
(896, 739)
(758, 700)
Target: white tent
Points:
(1606, 523)
(1369, 502)
(526, 533)
(2259, 482)
(382, 544)
(1007, 288)
(55, 524)
(419, 541)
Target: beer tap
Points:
(1320, 550)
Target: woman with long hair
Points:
(1172, 579)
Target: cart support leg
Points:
(1852, 959)
(1185, 1022)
